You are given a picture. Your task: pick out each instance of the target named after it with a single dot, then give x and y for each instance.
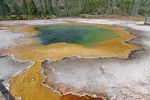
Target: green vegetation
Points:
(4, 9)
(24, 9)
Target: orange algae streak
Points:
(123, 51)
(29, 86)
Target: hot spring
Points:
(82, 35)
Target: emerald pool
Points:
(83, 35)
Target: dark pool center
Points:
(83, 35)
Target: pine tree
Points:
(24, 8)
(48, 8)
(4, 9)
(42, 8)
(15, 10)
(32, 9)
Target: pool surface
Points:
(83, 35)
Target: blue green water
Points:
(83, 35)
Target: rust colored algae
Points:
(29, 86)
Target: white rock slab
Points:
(9, 38)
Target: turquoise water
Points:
(83, 35)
